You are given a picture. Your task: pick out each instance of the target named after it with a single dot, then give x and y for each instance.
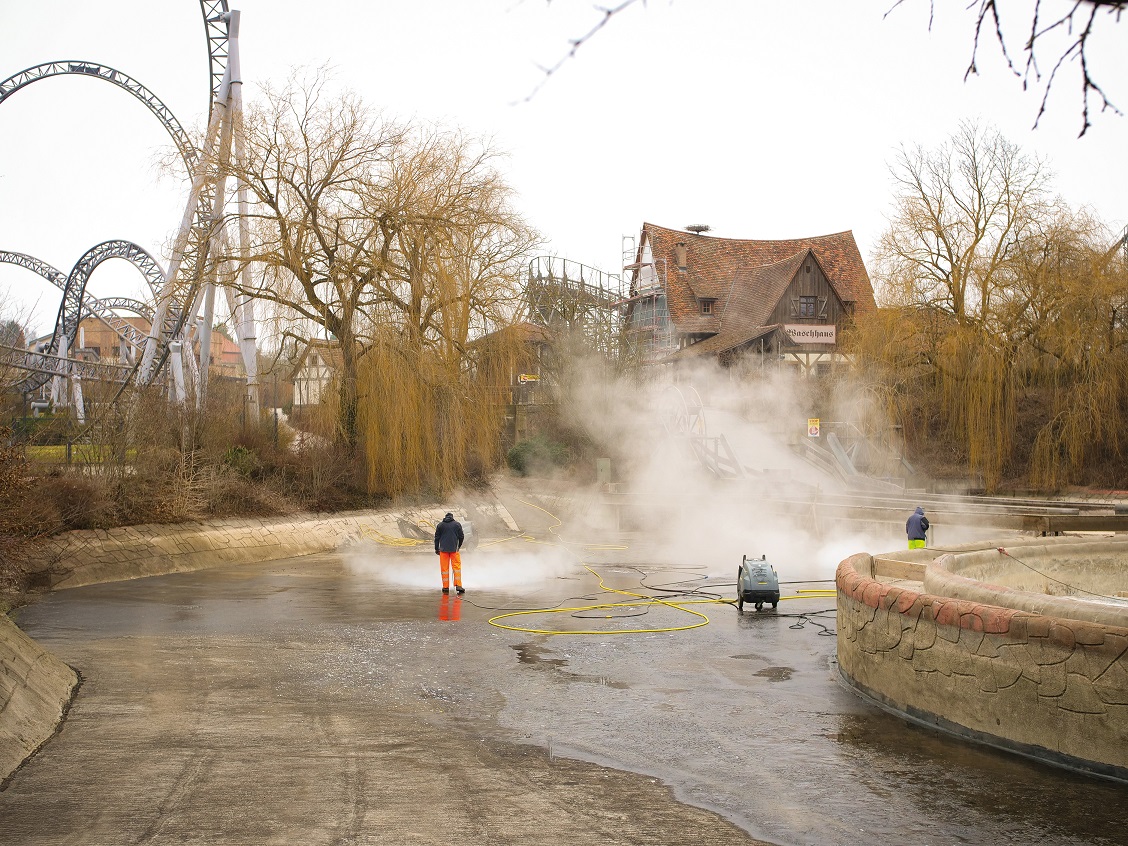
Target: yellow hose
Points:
(388, 540)
(646, 600)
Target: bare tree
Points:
(365, 227)
(453, 250)
(1004, 312)
(311, 162)
(1076, 20)
(452, 244)
(960, 212)
(605, 14)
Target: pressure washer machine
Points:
(756, 581)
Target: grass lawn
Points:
(80, 454)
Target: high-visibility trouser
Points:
(447, 561)
(916, 544)
(450, 608)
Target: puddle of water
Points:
(775, 674)
(529, 653)
(533, 655)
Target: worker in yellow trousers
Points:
(448, 541)
(916, 527)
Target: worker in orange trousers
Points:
(448, 541)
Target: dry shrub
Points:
(329, 477)
(164, 488)
(13, 499)
(228, 493)
(80, 502)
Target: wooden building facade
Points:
(785, 302)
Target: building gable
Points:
(314, 369)
(692, 267)
(809, 297)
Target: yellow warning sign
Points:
(812, 427)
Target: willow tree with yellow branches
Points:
(1071, 313)
(433, 383)
(400, 244)
(1002, 312)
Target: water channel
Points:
(743, 717)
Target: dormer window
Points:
(707, 306)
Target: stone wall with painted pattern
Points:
(1052, 688)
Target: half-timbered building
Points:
(783, 301)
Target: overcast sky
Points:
(763, 120)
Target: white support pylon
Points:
(243, 311)
(79, 404)
(223, 144)
(176, 365)
(180, 245)
(59, 383)
(205, 335)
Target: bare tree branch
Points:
(606, 14)
(1079, 22)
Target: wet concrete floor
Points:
(342, 699)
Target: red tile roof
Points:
(745, 309)
(713, 264)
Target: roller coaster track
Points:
(215, 28)
(174, 306)
(112, 305)
(194, 254)
(72, 308)
(103, 309)
(79, 67)
(46, 366)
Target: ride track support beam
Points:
(193, 267)
(53, 365)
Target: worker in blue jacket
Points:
(917, 529)
(448, 541)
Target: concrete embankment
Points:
(1048, 686)
(35, 688)
(129, 552)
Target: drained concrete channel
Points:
(338, 698)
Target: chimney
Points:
(679, 255)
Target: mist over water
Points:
(694, 518)
(678, 515)
(513, 565)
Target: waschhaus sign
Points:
(800, 334)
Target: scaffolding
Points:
(620, 316)
(645, 315)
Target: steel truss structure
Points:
(74, 292)
(182, 315)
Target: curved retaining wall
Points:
(35, 690)
(1052, 688)
(130, 552)
(1058, 577)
